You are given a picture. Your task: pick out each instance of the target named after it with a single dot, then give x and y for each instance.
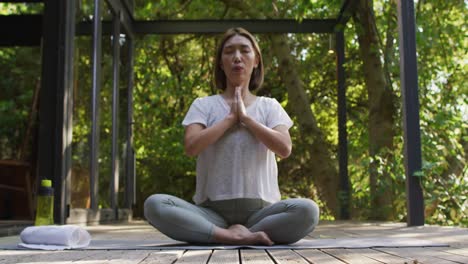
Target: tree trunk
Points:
(381, 110)
(320, 167)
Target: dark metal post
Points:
(70, 25)
(56, 97)
(97, 53)
(344, 195)
(409, 86)
(130, 165)
(115, 112)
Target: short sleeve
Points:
(277, 115)
(196, 114)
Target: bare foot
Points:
(240, 235)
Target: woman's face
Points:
(238, 60)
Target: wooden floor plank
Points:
(454, 250)
(455, 237)
(46, 257)
(163, 257)
(316, 256)
(286, 256)
(381, 256)
(17, 256)
(225, 257)
(194, 257)
(437, 253)
(11, 256)
(255, 256)
(419, 255)
(114, 256)
(351, 256)
(130, 257)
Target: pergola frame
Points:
(58, 29)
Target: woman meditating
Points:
(235, 136)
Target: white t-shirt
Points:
(237, 165)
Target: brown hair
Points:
(256, 80)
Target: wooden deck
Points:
(457, 252)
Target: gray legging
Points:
(285, 222)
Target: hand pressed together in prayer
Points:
(238, 106)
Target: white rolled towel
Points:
(54, 237)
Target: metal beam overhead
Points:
(218, 26)
(346, 12)
(20, 30)
(123, 14)
(129, 5)
(21, 1)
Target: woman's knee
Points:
(308, 211)
(154, 205)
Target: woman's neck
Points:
(230, 91)
(247, 96)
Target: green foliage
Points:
(442, 47)
(20, 69)
(20, 8)
(171, 71)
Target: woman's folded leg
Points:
(181, 220)
(286, 221)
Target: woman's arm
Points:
(277, 139)
(198, 137)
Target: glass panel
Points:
(82, 114)
(123, 125)
(80, 189)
